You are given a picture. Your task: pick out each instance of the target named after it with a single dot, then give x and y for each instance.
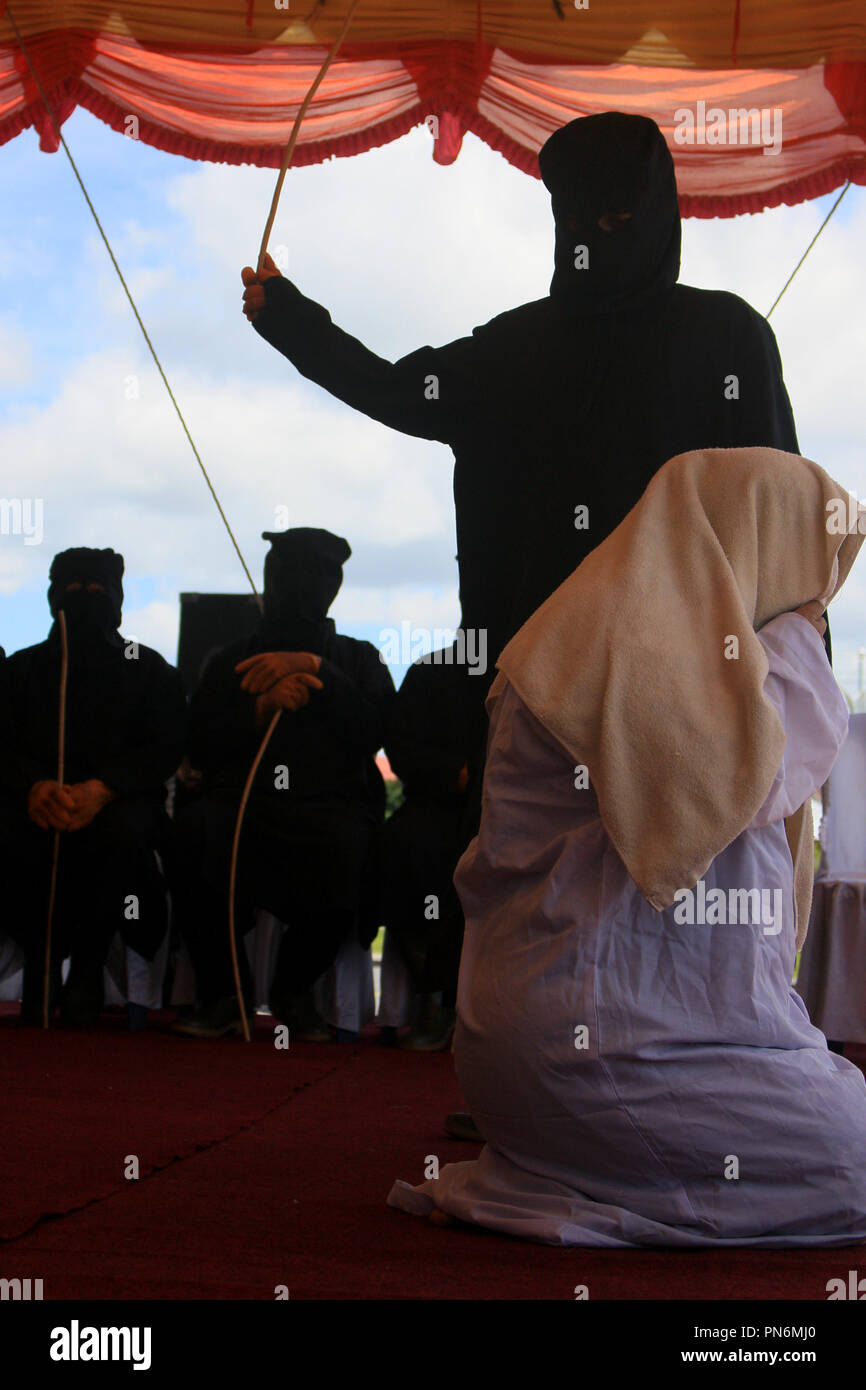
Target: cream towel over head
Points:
(644, 663)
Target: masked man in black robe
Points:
(559, 412)
(124, 737)
(310, 840)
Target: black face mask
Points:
(303, 575)
(299, 590)
(92, 618)
(91, 622)
(609, 164)
(293, 595)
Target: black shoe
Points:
(216, 1020)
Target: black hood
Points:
(92, 619)
(612, 163)
(303, 575)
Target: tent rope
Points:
(132, 303)
(808, 249)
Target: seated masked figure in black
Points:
(313, 821)
(428, 745)
(124, 737)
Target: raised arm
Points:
(431, 393)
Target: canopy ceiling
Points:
(222, 80)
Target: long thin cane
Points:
(287, 156)
(302, 111)
(234, 868)
(286, 160)
(55, 853)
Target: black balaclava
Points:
(303, 574)
(612, 163)
(92, 620)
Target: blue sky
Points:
(402, 252)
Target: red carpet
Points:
(77, 1103)
(264, 1168)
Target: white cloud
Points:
(390, 608)
(16, 356)
(144, 286)
(154, 625)
(118, 471)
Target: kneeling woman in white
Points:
(628, 1039)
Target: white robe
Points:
(641, 1080)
